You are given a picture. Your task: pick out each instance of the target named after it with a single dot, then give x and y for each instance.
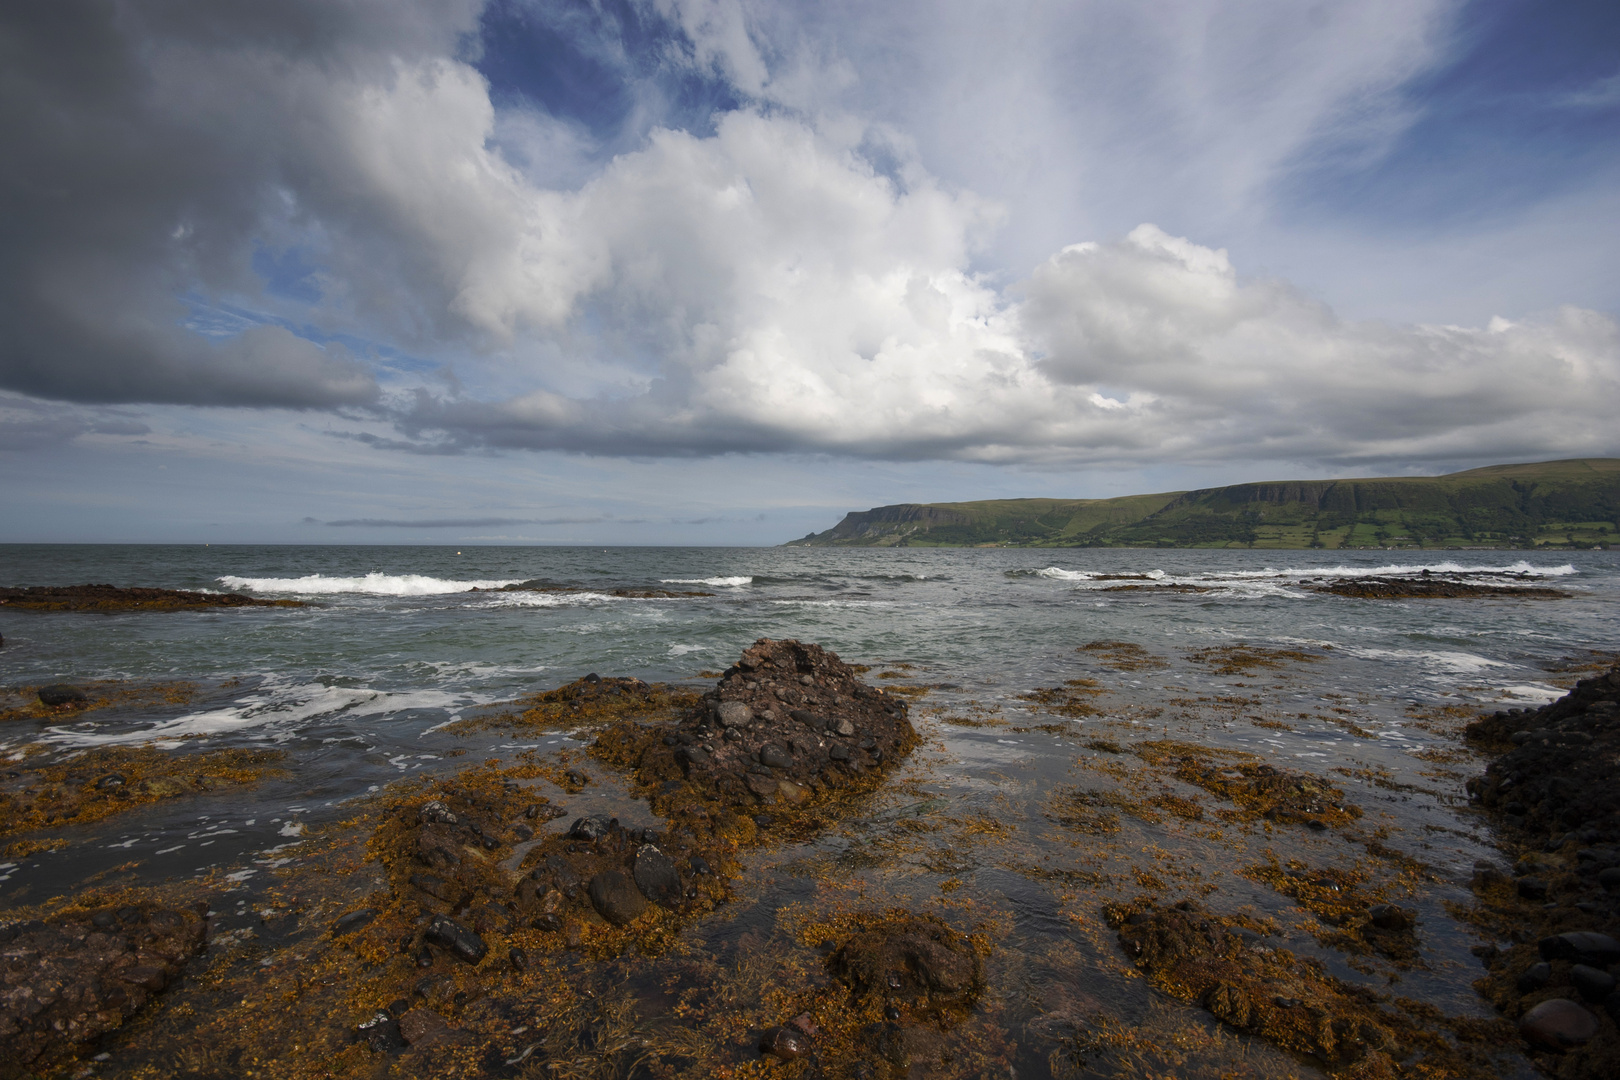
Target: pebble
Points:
(1558, 1024)
(1610, 879)
(1532, 888)
(700, 865)
(437, 811)
(353, 921)
(786, 1043)
(1535, 977)
(381, 1033)
(1593, 984)
(519, 958)
(449, 934)
(734, 714)
(424, 1028)
(1390, 917)
(775, 756)
(588, 828)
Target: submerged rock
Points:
(913, 958)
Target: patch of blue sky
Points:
(219, 319)
(1525, 108)
(287, 273)
(609, 67)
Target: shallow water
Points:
(357, 688)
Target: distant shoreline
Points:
(1556, 505)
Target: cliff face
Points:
(882, 520)
(1556, 503)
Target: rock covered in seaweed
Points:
(786, 721)
(77, 976)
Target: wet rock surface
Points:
(1433, 586)
(1551, 793)
(916, 960)
(1230, 969)
(72, 978)
(787, 724)
(113, 598)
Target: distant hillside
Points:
(1557, 504)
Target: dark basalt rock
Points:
(381, 1033)
(796, 711)
(786, 1043)
(58, 695)
(73, 978)
(448, 934)
(656, 876)
(353, 921)
(616, 898)
(588, 829)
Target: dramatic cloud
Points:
(790, 275)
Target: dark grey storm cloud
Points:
(147, 146)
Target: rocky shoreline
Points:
(1552, 791)
(448, 931)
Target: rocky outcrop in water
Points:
(109, 598)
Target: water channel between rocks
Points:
(1093, 725)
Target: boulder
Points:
(656, 877)
(616, 898)
(57, 695)
(1558, 1024)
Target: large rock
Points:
(657, 877)
(793, 709)
(57, 695)
(1558, 1025)
(616, 898)
(75, 977)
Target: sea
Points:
(361, 688)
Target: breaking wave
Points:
(372, 584)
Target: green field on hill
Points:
(1552, 504)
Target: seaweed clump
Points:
(1196, 956)
(1257, 790)
(82, 788)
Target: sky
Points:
(719, 271)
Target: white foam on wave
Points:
(373, 584)
(719, 582)
(284, 707)
(1437, 660)
(546, 599)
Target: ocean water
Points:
(358, 686)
